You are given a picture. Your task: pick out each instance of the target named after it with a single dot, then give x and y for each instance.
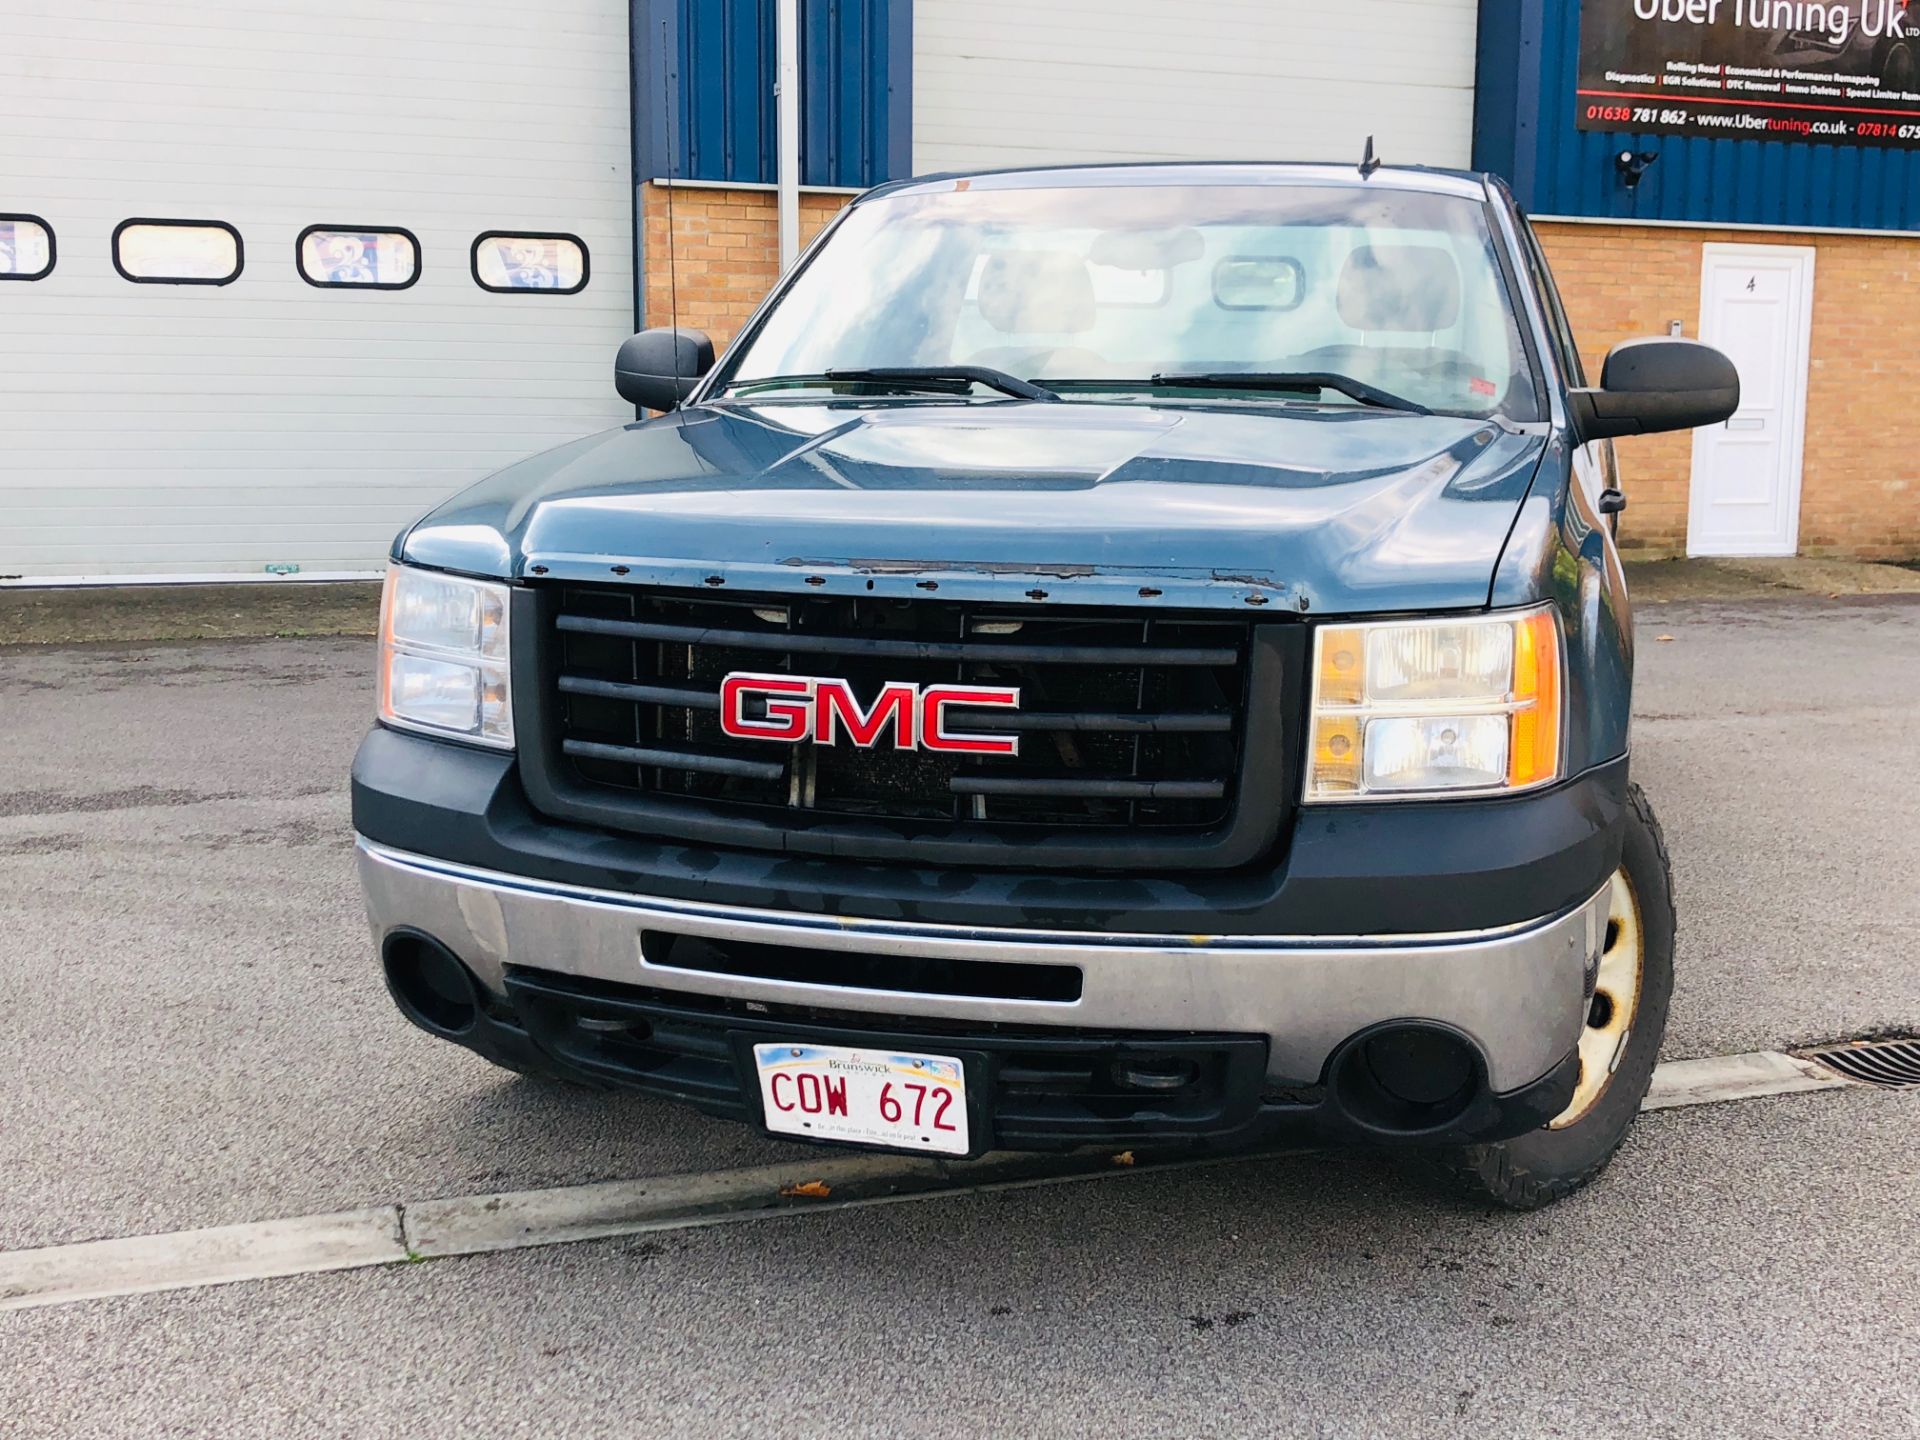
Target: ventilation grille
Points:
(1128, 722)
(1041, 1088)
(1889, 1064)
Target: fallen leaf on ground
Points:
(808, 1189)
(1125, 1157)
(1664, 639)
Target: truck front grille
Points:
(1127, 721)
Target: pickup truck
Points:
(1127, 656)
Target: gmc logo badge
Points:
(803, 707)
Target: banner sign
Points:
(1796, 70)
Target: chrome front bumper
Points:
(1517, 992)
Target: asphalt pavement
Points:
(1746, 1271)
(196, 1035)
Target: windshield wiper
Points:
(928, 379)
(1301, 380)
(946, 375)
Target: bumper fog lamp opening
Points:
(431, 987)
(1406, 1079)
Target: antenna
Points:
(673, 268)
(1368, 162)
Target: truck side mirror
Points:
(1649, 386)
(658, 368)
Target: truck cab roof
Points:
(1466, 184)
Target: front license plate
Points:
(864, 1097)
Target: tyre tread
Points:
(1491, 1172)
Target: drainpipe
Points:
(787, 92)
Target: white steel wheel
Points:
(1616, 1000)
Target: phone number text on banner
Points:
(1794, 70)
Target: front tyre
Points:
(1619, 1046)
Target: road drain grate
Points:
(1890, 1064)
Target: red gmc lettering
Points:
(787, 719)
(934, 701)
(799, 707)
(836, 705)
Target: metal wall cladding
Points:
(704, 74)
(1044, 82)
(196, 430)
(1524, 129)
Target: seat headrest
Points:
(1037, 292)
(1414, 288)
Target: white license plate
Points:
(864, 1097)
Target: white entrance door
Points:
(1756, 304)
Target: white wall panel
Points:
(193, 429)
(1034, 82)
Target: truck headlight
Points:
(1435, 707)
(443, 657)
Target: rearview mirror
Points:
(658, 368)
(1146, 249)
(1650, 386)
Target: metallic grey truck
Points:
(1129, 656)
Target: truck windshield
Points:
(1123, 292)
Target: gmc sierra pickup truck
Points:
(1129, 656)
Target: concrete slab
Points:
(187, 1259)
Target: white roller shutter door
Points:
(150, 429)
(1012, 82)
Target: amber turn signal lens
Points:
(1343, 666)
(1336, 754)
(1534, 755)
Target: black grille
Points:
(907, 974)
(1127, 721)
(1042, 1088)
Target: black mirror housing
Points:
(1655, 385)
(658, 368)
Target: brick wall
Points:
(1860, 488)
(726, 253)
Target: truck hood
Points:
(1341, 511)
